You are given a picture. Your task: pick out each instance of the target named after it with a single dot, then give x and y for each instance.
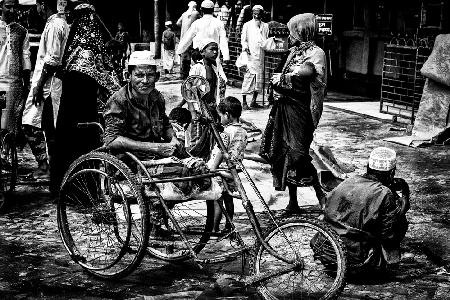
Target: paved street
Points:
(35, 264)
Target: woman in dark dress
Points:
(299, 86)
(88, 76)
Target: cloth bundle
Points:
(432, 122)
(432, 118)
(437, 66)
(199, 189)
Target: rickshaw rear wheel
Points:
(102, 218)
(196, 220)
(8, 168)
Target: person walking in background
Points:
(245, 15)
(185, 21)
(224, 14)
(88, 81)
(216, 11)
(207, 27)
(254, 34)
(15, 65)
(124, 39)
(146, 36)
(289, 131)
(168, 40)
(42, 104)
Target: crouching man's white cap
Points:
(141, 58)
(207, 4)
(382, 159)
(168, 23)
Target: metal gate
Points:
(402, 83)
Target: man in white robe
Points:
(185, 22)
(254, 33)
(207, 27)
(204, 29)
(45, 86)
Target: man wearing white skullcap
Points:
(206, 27)
(254, 33)
(136, 120)
(168, 41)
(135, 115)
(369, 214)
(185, 22)
(139, 98)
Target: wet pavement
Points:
(35, 264)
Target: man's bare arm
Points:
(123, 144)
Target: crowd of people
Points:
(366, 210)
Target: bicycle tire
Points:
(196, 220)
(329, 278)
(8, 168)
(102, 218)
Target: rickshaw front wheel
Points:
(318, 249)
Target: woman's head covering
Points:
(85, 50)
(302, 27)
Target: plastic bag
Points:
(242, 60)
(269, 44)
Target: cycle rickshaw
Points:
(103, 219)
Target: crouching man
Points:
(369, 215)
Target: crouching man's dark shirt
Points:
(366, 214)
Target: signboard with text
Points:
(325, 24)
